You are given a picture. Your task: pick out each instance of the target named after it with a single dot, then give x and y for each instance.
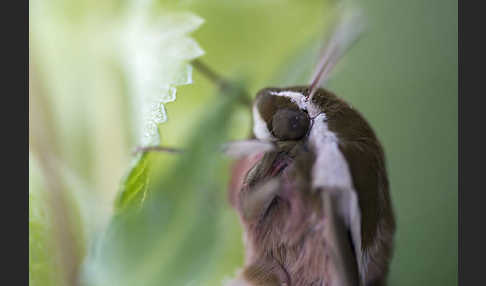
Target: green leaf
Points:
(135, 184)
(155, 53)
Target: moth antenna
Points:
(345, 35)
(321, 72)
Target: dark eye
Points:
(289, 124)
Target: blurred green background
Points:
(402, 75)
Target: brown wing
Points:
(366, 160)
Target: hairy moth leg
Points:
(255, 201)
(264, 272)
(242, 148)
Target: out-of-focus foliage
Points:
(58, 225)
(172, 238)
(41, 263)
(401, 75)
(99, 79)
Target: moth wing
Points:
(344, 269)
(331, 175)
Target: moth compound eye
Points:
(288, 124)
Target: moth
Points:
(311, 187)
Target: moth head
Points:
(280, 115)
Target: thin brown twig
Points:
(210, 74)
(158, 149)
(222, 83)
